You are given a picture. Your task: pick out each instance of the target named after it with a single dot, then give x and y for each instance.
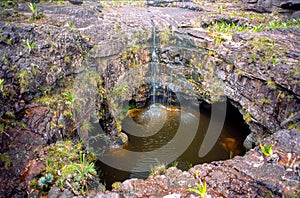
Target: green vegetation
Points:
(266, 149)
(68, 98)
(257, 28)
(1, 84)
(9, 41)
(29, 45)
(258, 22)
(70, 24)
(1, 128)
(67, 167)
(264, 51)
(265, 101)
(200, 190)
(35, 14)
(271, 84)
(294, 126)
(284, 24)
(133, 56)
(5, 158)
(158, 170)
(23, 78)
(164, 36)
(85, 169)
(33, 8)
(247, 116)
(220, 9)
(9, 3)
(175, 163)
(116, 185)
(46, 181)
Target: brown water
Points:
(153, 128)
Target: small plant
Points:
(1, 85)
(271, 84)
(175, 164)
(158, 170)
(35, 13)
(165, 36)
(231, 154)
(220, 9)
(45, 181)
(70, 24)
(84, 169)
(1, 128)
(9, 41)
(275, 61)
(266, 149)
(257, 28)
(190, 165)
(30, 45)
(274, 24)
(247, 117)
(200, 190)
(23, 78)
(33, 8)
(265, 101)
(116, 185)
(69, 98)
(66, 167)
(196, 173)
(86, 126)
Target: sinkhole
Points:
(154, 126)
(167, 123)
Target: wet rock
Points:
(27, 74)
(38, 120)
(66, 194)
(270, 5)
(19, 167)
(296, 15)
(60, 51)
(54, 192)
(249, 176)
(76, 2)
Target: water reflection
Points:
(154, 127)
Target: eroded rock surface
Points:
(253, 175)
(260, 72)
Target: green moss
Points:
(9, 3)
(164, 36)
(268, 51)
(247, 116)
(271, 84)
(1, 85)
(6, 159)
(264, 101)
(158, 170)
(65, 164)
(10, 114)
(23, 81)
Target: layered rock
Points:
(259, 72)
(249, 176)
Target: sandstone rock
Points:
(271, 5)
(249, 176)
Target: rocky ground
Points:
(257, 61)
(253, 175)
